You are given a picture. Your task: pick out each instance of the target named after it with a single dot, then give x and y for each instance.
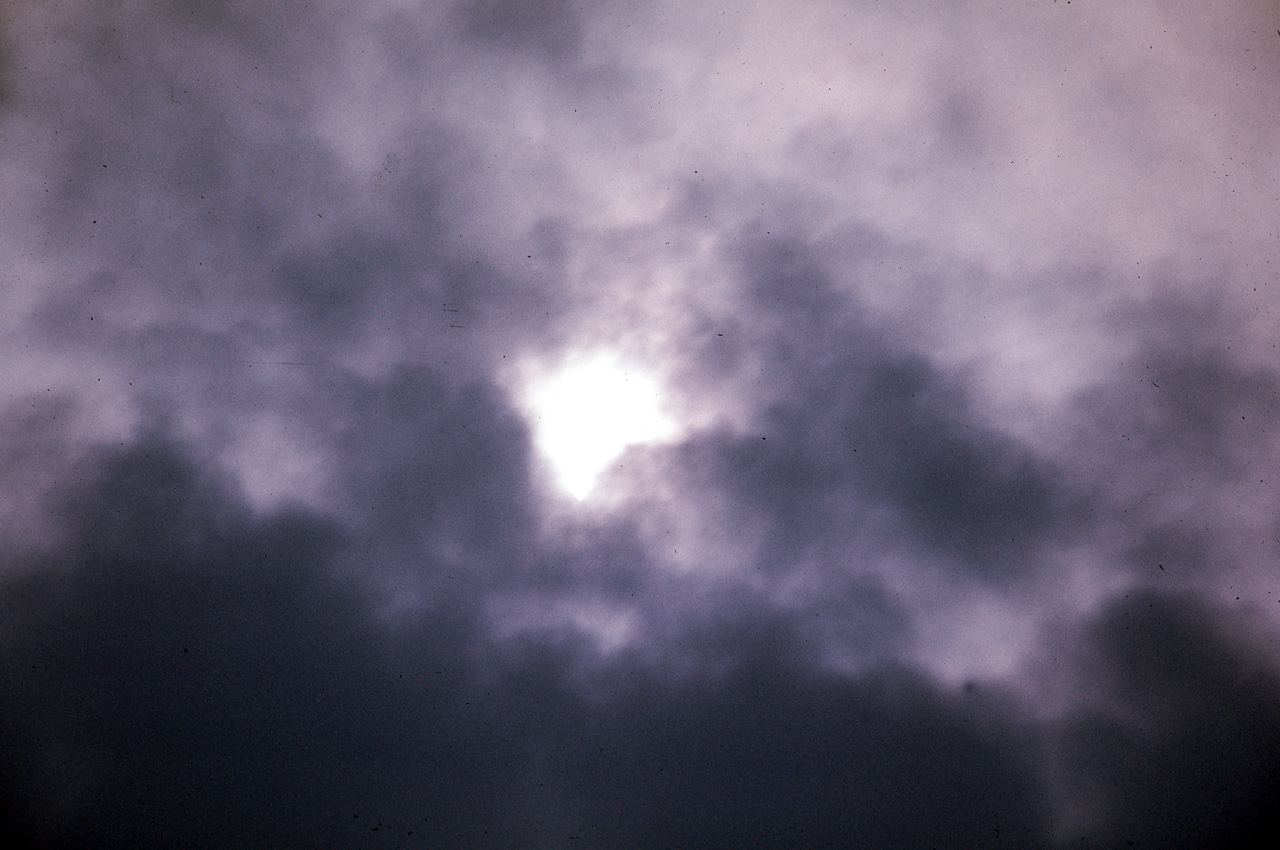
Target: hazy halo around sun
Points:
(586, 411)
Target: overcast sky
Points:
(963, 530)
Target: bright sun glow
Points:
(588, 412)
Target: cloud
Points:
(848, 425)
(188, 672)
(965, 318)
(1179, 745)
(551, 29)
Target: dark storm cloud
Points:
(812, 762)
(187, 673)
(1182, 746)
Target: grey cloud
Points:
(1213, 407)
(427, 457)
(1183, 392)
(550, 29)
(847, 420)
(1181, 752)
(1173, 448)
(904, 277)
(5, 53)
(812, 762)
(189, 673)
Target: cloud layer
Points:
(967, 315)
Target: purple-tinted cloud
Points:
(965, 318)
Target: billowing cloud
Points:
(961, 529)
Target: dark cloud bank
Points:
(184, 672)
(969, 539)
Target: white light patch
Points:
(588, 412)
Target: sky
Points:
(919, 362)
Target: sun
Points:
(585, 413)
